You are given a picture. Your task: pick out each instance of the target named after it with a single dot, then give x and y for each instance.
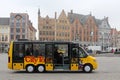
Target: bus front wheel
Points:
(40, 68)
(87, 68)
(30, 68)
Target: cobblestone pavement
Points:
(108, 69)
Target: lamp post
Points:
(0, 47)
(108, 42)
(55, 25)
(102, 41)
(92, 38)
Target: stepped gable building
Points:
(84, 29)
(63, 28)
(53, 29)
(46, 28)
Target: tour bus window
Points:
(41, 49)
(35, 50)
(49, 50)
(75, 53)
(38, 49)
(18, 50)
(82, 53)
(49, 53)
(28, 49)
(62, 48)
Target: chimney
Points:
(71, 11)
(38, 12)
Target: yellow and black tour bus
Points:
(49, 56)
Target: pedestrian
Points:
(112, 50)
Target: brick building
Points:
(53, 29)
(84, 29)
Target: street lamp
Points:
(102, 41)
(108, 45)
(92, 37)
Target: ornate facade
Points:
(84, 29)
(53, 29)
(104, 33)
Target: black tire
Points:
(30, 68)
(87, 68)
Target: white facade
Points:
(104, 34)
(4, 37)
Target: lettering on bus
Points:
(34, 59)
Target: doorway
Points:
(61, 56)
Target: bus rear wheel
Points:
(30, 68)
(40, 68)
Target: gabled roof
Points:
(98, 22)
(83, 19)
(73, 16)
(62, 15)
(4, 21)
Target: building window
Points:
(17, 30)
(12, 37)
(47, 22)
(23, 36)
(53, 33)
(23, 30)
(2, 37)
(12, 30)
(47, 33)
(12, 18)
(12, 24)
(50, 27)
(6, 38)
(23, 18)
(17, 36)
(43, 27)
(23, 24)
(40, 33)
(17, 24)
(43, 32)
(68, 35)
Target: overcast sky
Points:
(98, 8)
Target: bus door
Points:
(49, 57)
(61, 56)
(18, 56)
(74, 57)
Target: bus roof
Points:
(37, 41)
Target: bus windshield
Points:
(82, 52)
